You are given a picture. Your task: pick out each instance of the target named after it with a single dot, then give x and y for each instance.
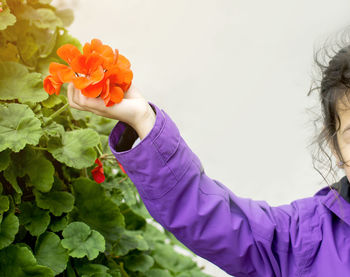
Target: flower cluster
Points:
(98, 71)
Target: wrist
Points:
(145, 123)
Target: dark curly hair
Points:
(333, 62)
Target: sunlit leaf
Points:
(18, 127)
(6, 18)
(76, 148)
(17, 83)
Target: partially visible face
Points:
(343, 134)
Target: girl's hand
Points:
(133, 109)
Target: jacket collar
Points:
(337, 199)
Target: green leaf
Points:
(17, 83)
(54, 129)
(129, 191)
(157, 272)
(100, 124)
(6, 18)
(42, 18)
(166, 257)
(65, 38)
(76, 148)
(193, 273)
(139, 262)
(52, 101)
(28, 49)
(4, 203)
(133, 221)
(88, 270)
(9, 52)
(49, 252)
(58, 223)
(129, 240)
(18, 126)
(35, 220)
(96, 210)
(4, 159)
(39, 169)
(152, 235)
(9, 228)
(10, 175)
(81, 241)
(58, 202)
(23, 263)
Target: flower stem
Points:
(99, 150)
(56, 113)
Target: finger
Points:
(132, 92)
(70, 94)
(75, 97)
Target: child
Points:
(244, 237)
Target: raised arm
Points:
(242, 236)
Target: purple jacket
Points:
(244, 237)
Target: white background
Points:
(233, 75)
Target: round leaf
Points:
(98, 211)
(141, 262)
(76, 148)
(6, 19)
(18, 126)
(58, 202)
(49, 252)
(39, 169)
(4, 159)
(81, 241)
(157, 272)
(9, 228)
(4, 203)
(17, 83)
(18, 261)
(58, 223)
(34, 219)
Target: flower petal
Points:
(98, 161)
(97, 174)
(51, 86)
(97, 75)
(105, 91)
(68, 52)
(96, 45)
(116, 94)
(123, 62)
(87, 49)
(81, 82)
(92, 90)
(93, 61)
(121, 167)
(78, 64)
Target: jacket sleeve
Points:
(242, 236)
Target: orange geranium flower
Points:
(98, 71)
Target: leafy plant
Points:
(55, 220)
